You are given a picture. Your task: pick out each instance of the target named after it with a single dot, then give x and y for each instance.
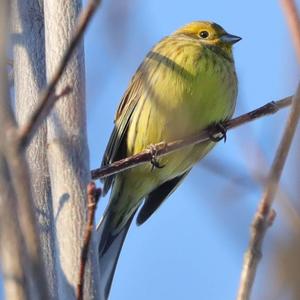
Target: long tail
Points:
(110, 245)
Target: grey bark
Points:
(10, 240)
(29, 79)
(25, 274)
(11, 244)
(67, 150)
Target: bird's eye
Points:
(204, 34)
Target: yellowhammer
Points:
(186, 83)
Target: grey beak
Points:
(230, 39)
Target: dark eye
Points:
(204, 34)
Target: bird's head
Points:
(208, 33)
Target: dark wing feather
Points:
(116, 147)
(156, 198)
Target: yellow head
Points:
(209, 34)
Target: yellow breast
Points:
(185, 88)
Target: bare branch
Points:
(93, 195)
(264, 215)
(10, 62)
(290, 10)
(47, 101)
(40, 115)
(162, 148)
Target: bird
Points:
(186, 83)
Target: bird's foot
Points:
(154, 162)
(222, 135)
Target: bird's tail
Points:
(110, 245)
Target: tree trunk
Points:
(30, 79)
(68, 151)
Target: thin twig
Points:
(39, 115)
(290, 10)
(162, 148)
(93, 195)
(83, 21)
(10, 62)
(265, 215)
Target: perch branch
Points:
(162, 149)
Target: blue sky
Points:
(193, 247)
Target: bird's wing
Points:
(157, 196)
(116, 147)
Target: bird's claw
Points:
(222, 130)
(154, 162)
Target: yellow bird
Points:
(185, 83)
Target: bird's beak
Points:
(230, 39)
